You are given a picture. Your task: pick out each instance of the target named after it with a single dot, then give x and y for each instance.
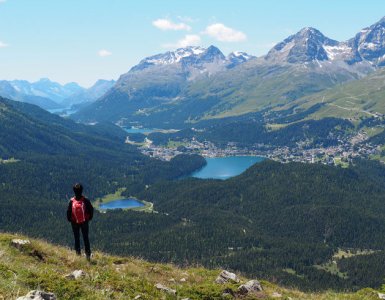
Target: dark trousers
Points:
(84, 228)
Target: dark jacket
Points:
(89, 210)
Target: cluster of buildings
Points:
(340, 154)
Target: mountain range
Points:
(194, 83)
(52, 95)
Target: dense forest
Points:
(325, 132)
(281, 222)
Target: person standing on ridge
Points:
(79, 213)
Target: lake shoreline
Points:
(147, 206)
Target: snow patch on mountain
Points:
(339, 51)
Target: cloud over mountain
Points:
(188, 40)
(223, 33)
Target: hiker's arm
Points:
(69, 212)
(90, 209)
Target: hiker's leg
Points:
(76, 230)
(86, 240)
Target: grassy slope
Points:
(110, 277)
(255, 85)
(355, 99)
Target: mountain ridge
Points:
(161, 86)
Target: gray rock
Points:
(77, 274)
(38, 295)
(20, 244)
(226, 276)
(164, 288)
(251, 286)
(276, 295)
(381, 296)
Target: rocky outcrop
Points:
(20, 244)
(250, 287)
(38, 295)
(164, 288)
(77, 274)
(227, 276)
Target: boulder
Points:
(250, 287)
(164, 288)
(381, 296)
(227, 276)
(276, 295)
(38, 295)
(20, 244)
(77, 274)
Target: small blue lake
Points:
(226, 167)
(121, 203)
(138, 130)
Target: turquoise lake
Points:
(138, 130)
(226, 167)
(122, 203)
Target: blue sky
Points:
(84, 40)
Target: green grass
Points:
(175, 144)
(338, 161)
(346, 253)
(112, 277)
(332, 266)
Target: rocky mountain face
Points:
(309, 44)
(305, 46)
(237, 57)
(369, 44)
(304, 63)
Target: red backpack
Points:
(78, 210)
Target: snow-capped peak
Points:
(171, 57)
(238, 57)
(190, 55)
(240, 54)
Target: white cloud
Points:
(188, 40)
(223, 33)
(164, 24)
(104, 53)
(3, 45)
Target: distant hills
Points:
(52, 95)
(193, 84)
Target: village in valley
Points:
(340, 154)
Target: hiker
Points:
(79, 213)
